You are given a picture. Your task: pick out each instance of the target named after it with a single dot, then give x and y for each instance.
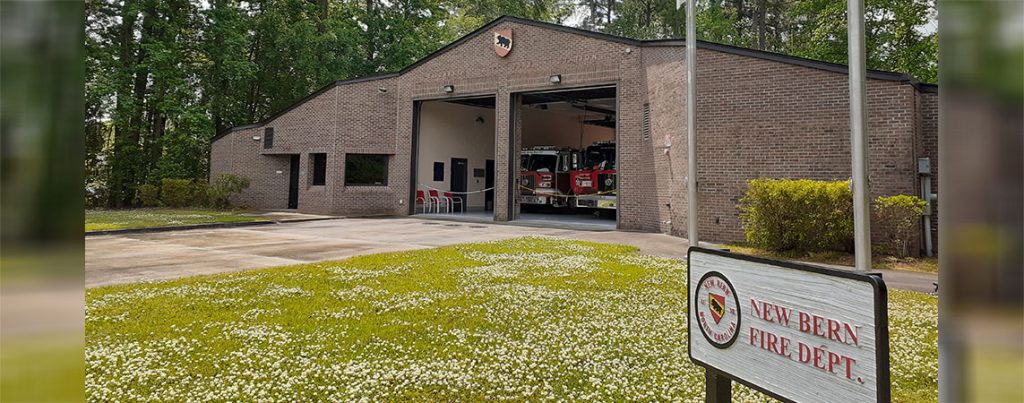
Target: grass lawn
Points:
(97, 220)
(526, 319)
(923, 264)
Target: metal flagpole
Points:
(718, 386)
(858, 142)
(691, 120)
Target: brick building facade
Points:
(759, 115)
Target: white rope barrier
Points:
(458, 193)
(521, 186)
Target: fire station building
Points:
(536, 122)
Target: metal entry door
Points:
(293, 183)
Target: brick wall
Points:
(237, 153)
(929, 147)
(756, 118)
(765, 119)
(366, 125)
(350, 117)
(308, 128)
(473, 69)
(665, 69)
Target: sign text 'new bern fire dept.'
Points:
(794, 331)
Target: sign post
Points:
(718, 387)
(793, 331)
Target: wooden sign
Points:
(796, 332)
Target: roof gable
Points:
(777, 57)
(518, 44)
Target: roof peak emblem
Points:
(502, 42)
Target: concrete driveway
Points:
(128, 258)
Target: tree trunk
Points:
(321, 24)
(135, 125)
(608, 20)
(371, 37)
(126, 39)
(154, 144)
(594, 18)
(125, 158)
(741, 14)
(759, 23)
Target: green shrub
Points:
(220, 191)
(175, 192)
(200, 194)
(798, 215)
(148, 195)
(897, 217)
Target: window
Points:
(268, 137)
(319, 169)
(539, 162)
(438, 172)
(366, 170)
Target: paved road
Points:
(127, 258)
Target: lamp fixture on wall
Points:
(555, 79)
(448, 89)
(255, 138)
(382, 90)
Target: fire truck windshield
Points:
(539, 162)
(599, 157)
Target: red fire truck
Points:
(594, 181)
(544, 176)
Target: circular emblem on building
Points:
(717, 309)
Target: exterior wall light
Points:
(382, 90)
(255, 138)
(555, 79)
(448, 89)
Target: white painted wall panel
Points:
(561, 128)
(447, 131)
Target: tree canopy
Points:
(164, 76)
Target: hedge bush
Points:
(191, 193)
(897, 217)
(220, 191)
(176, 192)
(148, 195)
(798, 215)
(200, 194)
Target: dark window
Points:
(319, 169)
(268, 137)
(366, 170)
(438, 172)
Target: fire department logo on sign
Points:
(503, 42)
(718, 309)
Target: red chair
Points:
(421, 200)
(453, 200)
(436, 200)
